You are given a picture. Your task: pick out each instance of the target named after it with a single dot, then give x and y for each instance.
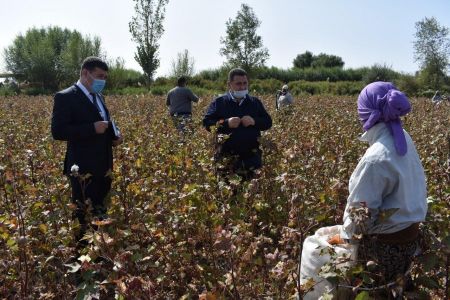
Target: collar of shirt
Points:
(371, 135)
(85, 90)
(238, 101)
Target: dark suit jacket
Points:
(73, 121)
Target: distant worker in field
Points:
(387, 190)
(81, 118)
(179, 101)
(241, 118)
(436, 97)
(284, 97)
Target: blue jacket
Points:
(242, 140)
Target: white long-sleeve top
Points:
(285, 100)
(383, 179)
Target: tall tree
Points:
(241, 45)
(432, 51)
(303, 60)
(76, 49)
(183, 65)
(308, 60)
(146, 28)
(49, 57)
(327, 61)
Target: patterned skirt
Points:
(391, 260)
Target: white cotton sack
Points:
(312, 260)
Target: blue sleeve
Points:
(213, 118)
(263, 121)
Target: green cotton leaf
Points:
(12, 244)
(385, 214)
(427, 282)
(357, 269)
(38, 204)
(446, 241)
(364, 295)
(136, 257)
(87, 291)
(321, 218)
(121, 297)
(429, 261)
(367, 279)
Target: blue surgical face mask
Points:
(239, 94)
(97, 84)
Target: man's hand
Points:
(101, 126)
(234, 122)
(247, 121)
(118, 141)
(335, 240)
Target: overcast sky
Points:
(362, 32)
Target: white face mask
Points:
(239, 94)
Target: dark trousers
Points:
(242, 164)
(181, 121)
(94, 189)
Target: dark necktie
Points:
(95, 101)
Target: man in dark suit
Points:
(81, 118)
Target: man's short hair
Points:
(181, 81)
(92, 62)
(236, 72)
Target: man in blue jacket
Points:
(242, 117)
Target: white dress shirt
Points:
(90, 97)
(383, 179)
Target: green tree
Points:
(303, 60)
(46, 57)
(183, 65)
(119, 77)
(241, 45)
(76, 49)
(308, 60)
(146, 28)
(327, 61)
(431, 51)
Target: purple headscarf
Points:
(382, 102)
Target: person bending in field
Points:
(242, 118)
(284, 97)
(388, 186)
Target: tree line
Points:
(49, 58)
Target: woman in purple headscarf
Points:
(386, 202)
(388, 183)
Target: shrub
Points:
(325, 87)
(380, 73)
(7, 90)
(408, 84)
(159, 90)
(35, 91)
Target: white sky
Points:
(362, 32)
